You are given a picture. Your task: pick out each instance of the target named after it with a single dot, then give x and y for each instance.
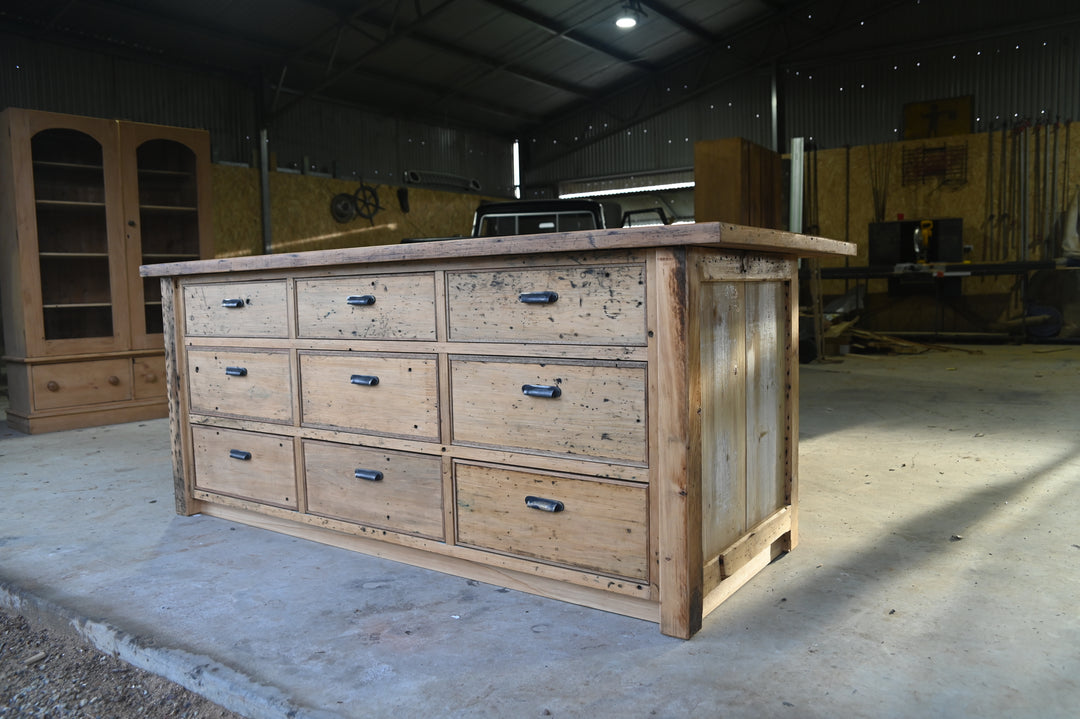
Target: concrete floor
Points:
(937, 576)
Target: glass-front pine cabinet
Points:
(83, 203)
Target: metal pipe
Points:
(1048, 251)
(264, 189)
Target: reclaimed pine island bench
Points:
(604, 417)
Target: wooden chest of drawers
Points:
(608, 418)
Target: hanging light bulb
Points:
(629, 16)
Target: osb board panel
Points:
(301, 220)
(237, 211)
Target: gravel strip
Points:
(52, 675)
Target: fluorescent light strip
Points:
(516, 154)
(629, 190)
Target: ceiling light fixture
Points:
(630, 14)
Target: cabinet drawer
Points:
(387, 307)
(602, 305)
(148, 377)
(236, 309)
(387, 394)
(598, 409)
(77, 383)
(248, 383)
(243, 464)
(392, 490)
(577, 522)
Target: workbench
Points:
(605, 417)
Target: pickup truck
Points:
(528, 217)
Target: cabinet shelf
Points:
(148, 257)
(73, 204)
(68, 165)
(78, 305)
(168, 208)
(74, 255)
(151, 172)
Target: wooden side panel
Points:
(791, 414)
(677, 476)
(766, 391)
(18, 379)
(599, 525)
(175, 383)
(14, 299)
(724, 375)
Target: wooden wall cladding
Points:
(301, 220)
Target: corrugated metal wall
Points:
(341, 141)
(741, 108)
(349, 143)
(43, 76)
(1032, 75)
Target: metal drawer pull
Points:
(364, 379)
(546, 297)
(360, 300)
(371, 475)
(544, 505)
(232, 303)
(547, 391)
(239, 454)
(236, 371)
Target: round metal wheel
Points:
(343, 207)
(366, 200)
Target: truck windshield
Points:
(528, 224)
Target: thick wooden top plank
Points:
(708, 234)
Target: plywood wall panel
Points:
(842, 205)
(301, 220)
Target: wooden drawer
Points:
(598, 526)
(390, 490)
(599, 411)
(603, 305)
(248, 465)
(71, 384)
(236, 309)
(384, 307)
(241, 383)
(386, 394)
(148, 377)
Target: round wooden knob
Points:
(150, 378)
(114, 380)
(52, 386)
